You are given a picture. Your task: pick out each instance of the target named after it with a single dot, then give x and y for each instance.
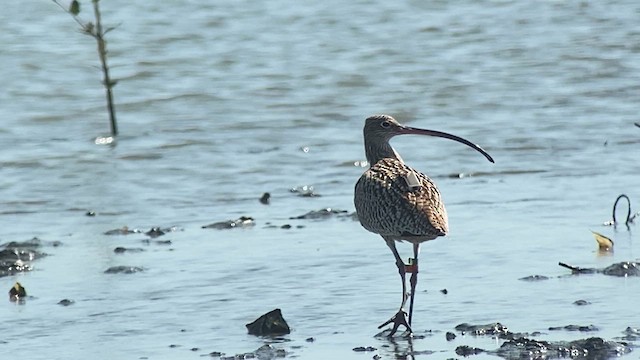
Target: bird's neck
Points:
(380, 150)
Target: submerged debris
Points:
(304, 191)
(122, 269)
(66, 302)
(158, 231)
(241, 222)
(322, 214)
(581, 302)
(364, 348)
(122, 250)
(582, 328)
(123, 231)
(534, 278)
(271, 323)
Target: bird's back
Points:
(398, 202)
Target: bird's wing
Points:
(394, 200)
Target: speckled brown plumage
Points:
(387, 205)
(398, 202)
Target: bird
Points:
(400, 203)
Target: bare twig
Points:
(96, 31)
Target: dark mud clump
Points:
(625, 268)
(16, 257)
(591, 348)
(465, 350)
(495, 329)
(521, 346)
(241, 222)
(122, 269)
(271, 323)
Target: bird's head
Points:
(379, 129)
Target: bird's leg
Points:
(400, 318)
(413, 269)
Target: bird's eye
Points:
(385, 124)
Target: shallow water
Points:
(220, 103)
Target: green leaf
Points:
(74, 8)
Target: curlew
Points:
(400, 203)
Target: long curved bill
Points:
(417, 131)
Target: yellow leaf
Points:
(603, 242)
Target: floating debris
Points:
(123, 270)
(321, 214)
(304, 191)
(622, 269)
(604, 243)
(242, 222)
(271, 323)
(265, 198)
(17, 292)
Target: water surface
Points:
(218, 103)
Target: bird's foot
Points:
(400, 318)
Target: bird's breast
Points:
(395, 200)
